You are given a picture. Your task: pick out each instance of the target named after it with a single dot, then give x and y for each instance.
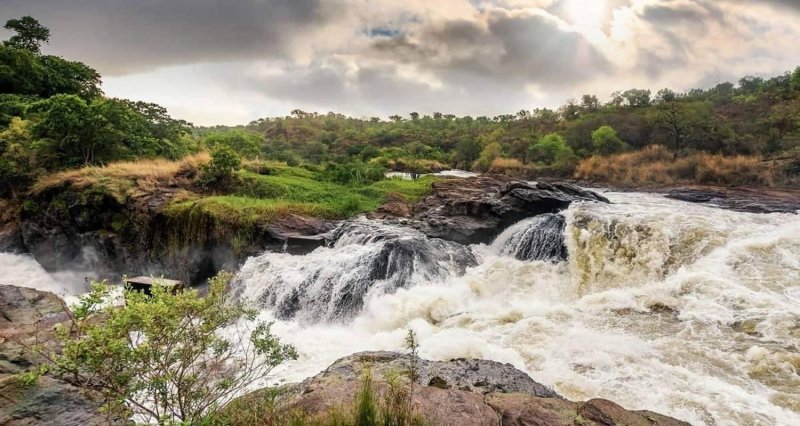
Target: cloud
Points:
(128, 36)
(381, 57)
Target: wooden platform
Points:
(146, 283)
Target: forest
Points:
(54, 116)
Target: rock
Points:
(27, 318)
(748, 200)
(458, 392)
(520, 409)
(91, 230)
(475, 210)
(473, 375)
(49, 402)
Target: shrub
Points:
(162, 357)
(606, 141)
(550, 149)
(224, 161)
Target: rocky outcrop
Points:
(91, 229)
(27, 318)
(475, 210)
(460, 392)
(748, 200)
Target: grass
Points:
(654, 165)
(120, 178)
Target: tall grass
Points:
(655, 165)
(122, 176)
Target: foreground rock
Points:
(459, 392)
(27, 318)
(475, 210)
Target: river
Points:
(679, 308)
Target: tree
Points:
(636, 98)
(680, 119)
(550, 149)
(224, 161)
(247, 144)
(16, 171)
(488, 154)
(606, 141)
(30, 34)
(590, 103)
(164, 357)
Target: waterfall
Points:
(331, 283)
(536, 238)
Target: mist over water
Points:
(678, 308)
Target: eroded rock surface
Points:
(460, 392)
(475, 210)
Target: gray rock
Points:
(476, 210)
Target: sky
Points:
(233, 61)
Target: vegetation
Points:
(56, 126)
(165, 357)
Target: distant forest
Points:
(54, 116)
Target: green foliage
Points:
(606, 141)
(488, 154)
(224, 161)
(354, 173)
(163, 357)
(30, 34)
(246, 144)
(550, 149)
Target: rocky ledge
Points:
(475, 210)
(459, 392)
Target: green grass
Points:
(260, 199)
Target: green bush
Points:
(224, 161)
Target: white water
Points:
(683, 309)
(679, 308)
(24, 271)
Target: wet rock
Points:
(457, 392)
(475, 210)
(89, 230)
(28, 318)
(748, 200)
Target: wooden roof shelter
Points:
(144, 284)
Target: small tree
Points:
(162, 357)
(606, 141)
(550, 149)
(224, 161)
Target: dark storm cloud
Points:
(124, 36)
(524, 46)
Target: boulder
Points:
(28, 318)
(475, 210)
(458, 392)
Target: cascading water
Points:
(332, 282)
(679, 308)
(538, 238)
(662, 305)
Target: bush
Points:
(606, 141)
(224, 161)
(354, 173)
(550, 149)
(162, 357)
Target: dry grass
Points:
(654, 165)
(509, 166)
(122, 176)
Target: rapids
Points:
(679, 308)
